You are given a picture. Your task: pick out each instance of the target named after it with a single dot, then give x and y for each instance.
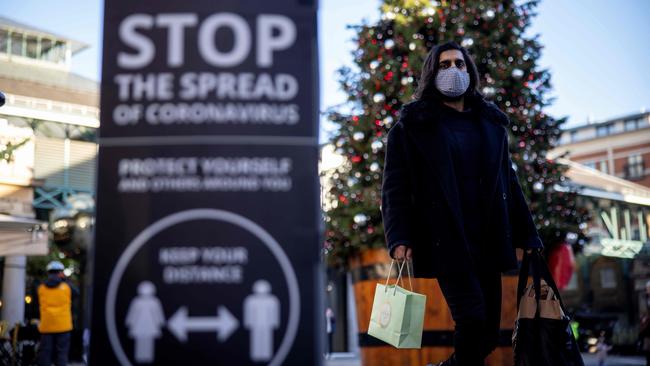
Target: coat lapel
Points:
(421, 123)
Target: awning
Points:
(22, 236)
(594, 183)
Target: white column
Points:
(353, 329)
(610, 160)
(13, 289)
(66, 163)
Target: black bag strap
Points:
(523, 277)
(528, 262)
(537, 283)
(540, 270)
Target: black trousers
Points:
(474, 299)
(54, 349)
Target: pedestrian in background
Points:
(601, 349)
(55, 305)
(330, 327)
(451, 200)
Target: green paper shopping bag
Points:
(397, 314)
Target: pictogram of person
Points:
(144, 319)
(261, 318)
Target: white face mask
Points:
(452, 82)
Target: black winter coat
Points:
(420, 203)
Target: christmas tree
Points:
(387, 64)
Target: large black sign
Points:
(207, 240)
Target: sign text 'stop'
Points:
(273, 33)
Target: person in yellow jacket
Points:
(55, 305)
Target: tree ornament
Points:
(360, 219)
(378, 97)
(489, 91)
(376, 145)
(467, 42)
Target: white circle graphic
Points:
(210, 214)
(384, 315)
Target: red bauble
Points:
(562, 264)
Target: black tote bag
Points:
(543, 336)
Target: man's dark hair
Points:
(427, 82)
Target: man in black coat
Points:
(451, 200)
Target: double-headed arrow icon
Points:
(224, 324)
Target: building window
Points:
(602, 130)
(4, 41)
(574, 136)
(634, 167)
(58, 52)
(602, 166)
(34, 47)
(46, 49)
(17, 44)
(607, 278)
(31, 46)
(631, 125)
(590, 164)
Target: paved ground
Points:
(590, 360)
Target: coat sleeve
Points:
(524, 232)
(396, 207)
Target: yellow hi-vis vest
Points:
(55, 304)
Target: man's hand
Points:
(401, 252)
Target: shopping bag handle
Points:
(408, 270)
(399, 274)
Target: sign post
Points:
(207, 237)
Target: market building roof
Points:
(595, 183)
